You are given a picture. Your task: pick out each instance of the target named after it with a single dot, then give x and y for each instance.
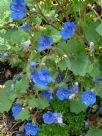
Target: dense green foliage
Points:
(73, 57)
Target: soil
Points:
(8, 126)
(7, 72)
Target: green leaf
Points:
(55, 36)
(8, 93)
(91, 1)
(87, 84)
(5, 105)
(99, 29)
(78, 6)
(8, 89)
(40, 103)
(46, 10)
(22, 85)
(73, 47)
(7, 96)
(38, 88)
(16, 37)
(43, 103)
(94, 132)
(36, 20)
(37, 36)
(80, 65)
(53, 33)
(35, 57)
(23, 115)
(62, 84)
(15, 61)
(3, 47)
(51, 65)
(76, 60)
(64, 48)
(98, 89)
(32, 102)
(77, 106)
(63, 64)
(94, 70)
(91, 34)
(28, 1)
(4, 7)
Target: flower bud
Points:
(25, 45)
(6, 55)
(92, 47)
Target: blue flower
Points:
(18, 9)
(48, 117)
(58, 118)
(24, 26)
(16, 109)
(100, 110)
(19, 1)
(47, 94)
(18, 78)
(42, 77)
(74, 88)
(63, 93)
(88, 97)
(60, 78)
(31, 129)
(68, 30)
(33, 64)
(44, 43)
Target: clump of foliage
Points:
(54, 130)
(75, 123)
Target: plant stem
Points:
(47, 21)
(63, 10)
